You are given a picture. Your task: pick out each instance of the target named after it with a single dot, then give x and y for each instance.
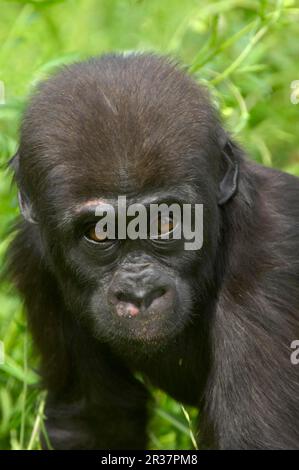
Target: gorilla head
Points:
(134, 126)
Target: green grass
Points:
(247, 53)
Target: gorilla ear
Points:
(13, 164)
(26, 208)
(24, 202)
(229, 183)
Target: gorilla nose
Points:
(127, 302)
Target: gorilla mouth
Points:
(151, 327)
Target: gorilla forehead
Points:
(117, 120)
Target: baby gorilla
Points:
(211, 326)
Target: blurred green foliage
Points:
(246, 51)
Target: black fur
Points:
(137, 125)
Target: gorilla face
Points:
(122, 131)
(140, 290)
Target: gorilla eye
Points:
(95, 235)
(162, 228)
(165, 225)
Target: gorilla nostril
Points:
(128, 298)
(153, 295)
(125, 304)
